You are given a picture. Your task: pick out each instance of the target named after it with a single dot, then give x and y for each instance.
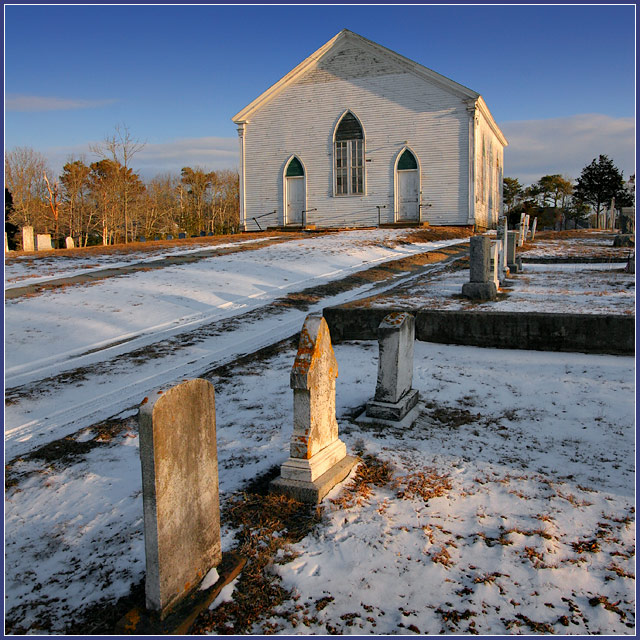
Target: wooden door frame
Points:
(396, 199)
(285, 190)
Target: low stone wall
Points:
(581, 332)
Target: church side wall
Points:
(489, 159)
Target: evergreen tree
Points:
(598, 183)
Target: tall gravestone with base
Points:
(480, 285)
(514, 264)
(179, 459)
(395, 402)
(318, 459)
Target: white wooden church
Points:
(357, 135)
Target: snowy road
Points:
(78, 356)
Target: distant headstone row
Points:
(491, 263)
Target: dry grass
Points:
(267, 524)
(371, 472)
(425, 484)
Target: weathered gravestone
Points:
(318, 459)
(182, 236)
(179, 459)
(533, 229)
(6, 243)
(514, 263)
(43, 242)
(70, 242)
(495, 271)
(628, 220)
(480, 285)
(394, 401)
(526, 226)
(27, 239)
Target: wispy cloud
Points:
(566, 145)
(166, 157)
(43, 103)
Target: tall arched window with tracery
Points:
(349, 157)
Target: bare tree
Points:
(54, 204)
(24, 169)
(120, 147)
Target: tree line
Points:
(559, 202)
(107, 202)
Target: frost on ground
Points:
(585, 243)
(508, 507)
(543, 288)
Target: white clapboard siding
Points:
(488, 188)
(397, 109)
(301, 122)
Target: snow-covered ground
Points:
(571, 244)
(531, 454)
(543, 288)
(24, 269)
(92, 351)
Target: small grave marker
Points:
(43, 242)
(395, 401)
(480, 285)
(70, 242)
(27, 239)
(513, 262)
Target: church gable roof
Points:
(348, 55)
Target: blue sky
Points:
(559, 80)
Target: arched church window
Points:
(349, 156)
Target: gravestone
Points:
(182, 236)
(178, 453)
(27, 239)
(502, 227)
(70, 242)
(628, 220)
(318, 459)
(157, 238)
(210, 233)
(480, 285)
(504, 269)
(394, 401)
(6, 243)
(143, 239)
(495, 271)
(526, 226)
(533, 229)
(202, 234)
(514, 264)
(43, 242)
(169, 237)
